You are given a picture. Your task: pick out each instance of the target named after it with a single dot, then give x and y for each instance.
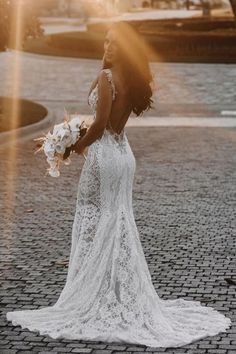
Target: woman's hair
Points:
(135, 66)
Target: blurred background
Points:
(45, 44)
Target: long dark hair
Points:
(135, 66)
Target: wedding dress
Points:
(109, 295)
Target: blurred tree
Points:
(68, 8)
(233, 5)
(31, 26)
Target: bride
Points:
(109, 295)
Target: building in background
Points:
(101, 8)
(74, 8)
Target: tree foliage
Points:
(233, 5)
(31, 26)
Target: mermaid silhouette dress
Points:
(109, 295)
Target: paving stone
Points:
(98, 346)
(120, 352)
(39, 349)
(15, 338)
(82, 350)
(33, 339)
(62, 350)
(76, 345)
(101, 351)
(116, 347)
(22, 347)
(4, 341)
(137, 349)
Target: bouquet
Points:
(59, 144)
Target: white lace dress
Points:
(108, 295)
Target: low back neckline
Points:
(114, 93)
(94, 95)
(111, 80)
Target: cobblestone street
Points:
(184, 202)
(192, 89)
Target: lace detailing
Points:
(109, 295)
(93, 99)
(108, 73)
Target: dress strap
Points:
(114, 92)
(108, 73)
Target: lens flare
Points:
(13, 70)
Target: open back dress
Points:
(108, 294)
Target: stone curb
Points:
(33, 130)
(185, 121)
(28, 131)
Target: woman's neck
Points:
(117, 68)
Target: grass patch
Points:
(69, 44)
(176, 40)
(28, 113)
(187, 25)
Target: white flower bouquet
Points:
(58, 145)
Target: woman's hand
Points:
(78, 148)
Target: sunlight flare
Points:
(14, 71)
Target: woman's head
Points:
(124, 46)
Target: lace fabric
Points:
(108, 294)
(93, 99)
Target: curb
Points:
(33, 130)
(184, 121)
(27, 132)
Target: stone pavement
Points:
(184, 199)
(184, 202)
(192, 89)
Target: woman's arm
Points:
(103, 111)
(94, 83)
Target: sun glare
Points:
(14, 71)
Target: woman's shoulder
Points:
(99, 75)
(108, 74)
(105, 72)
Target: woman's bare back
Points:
(121, 106)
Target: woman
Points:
(109, 295)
